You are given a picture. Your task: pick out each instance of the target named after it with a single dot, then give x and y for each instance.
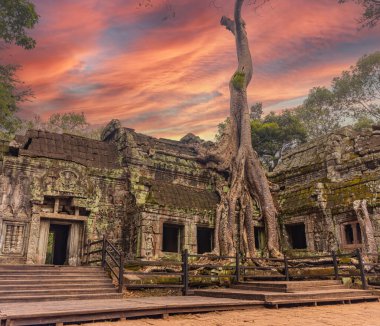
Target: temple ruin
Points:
(154, 198)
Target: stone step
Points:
(40, 276)
(339, 294)
(30, 281)
(27, 298)
(43, 274)
(59, 286)
(271, 296)
(67, 291)
(286, 289)
(232, 294)
(326, 300)
(78, 269)
(294, 283)
(288, 286)
(51, 272)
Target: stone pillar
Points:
(74, 244)
(34, 235)
(42, 242)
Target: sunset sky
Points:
(167, 77)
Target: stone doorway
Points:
(60, 242)
(56, 253)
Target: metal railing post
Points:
(286, 266)
(185, 272)
(237, 267)
(121, 273)
(335, 262)
(104, 248)
(362, 271)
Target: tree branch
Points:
(228, 24)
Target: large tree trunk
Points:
(366, 227)
(248, 182)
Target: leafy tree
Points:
(317, 113)
(371, 14)
(16, 17)
(357, 91)
(71, 123)
(353, 96)
(256, 111)
(11, 94)
(276, 133)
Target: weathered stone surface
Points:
(129, 186)
(320, 181)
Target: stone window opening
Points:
(172, 235)
(13, 240)
(259, 237)
(205, 239)
(296, 236)
(351, 234)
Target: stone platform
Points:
(280, 293)
(59, 312)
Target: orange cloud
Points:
(169, 77)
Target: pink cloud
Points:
(167, 78)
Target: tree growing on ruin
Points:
(247, 185)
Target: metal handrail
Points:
(118, 260)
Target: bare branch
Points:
(213, 3)
(228, 24)
(257, 3)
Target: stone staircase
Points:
(277, 293)
(25, 283)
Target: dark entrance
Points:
(172, 238)
(259, 237)
(57, 244)
(296, 236)
(205, 239)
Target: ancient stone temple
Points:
(153, 198)
(330, 193)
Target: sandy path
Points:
(361, 314)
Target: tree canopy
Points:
(353, 96)
(371, 13)
(70, 122)
(11, 94)
(274, 134)
(17, 17)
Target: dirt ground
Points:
(360, 314)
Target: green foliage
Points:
(238, 80)
(275, 133)
(11, 94)
(16, 17)
(317, 113)
(357, 91)
(256, 111)
(371, 13)
(221, 129)
(354, 96)
(71, 123)
(363, 123)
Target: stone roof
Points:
(182, 197)
(89, 152)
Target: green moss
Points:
(238, 80)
